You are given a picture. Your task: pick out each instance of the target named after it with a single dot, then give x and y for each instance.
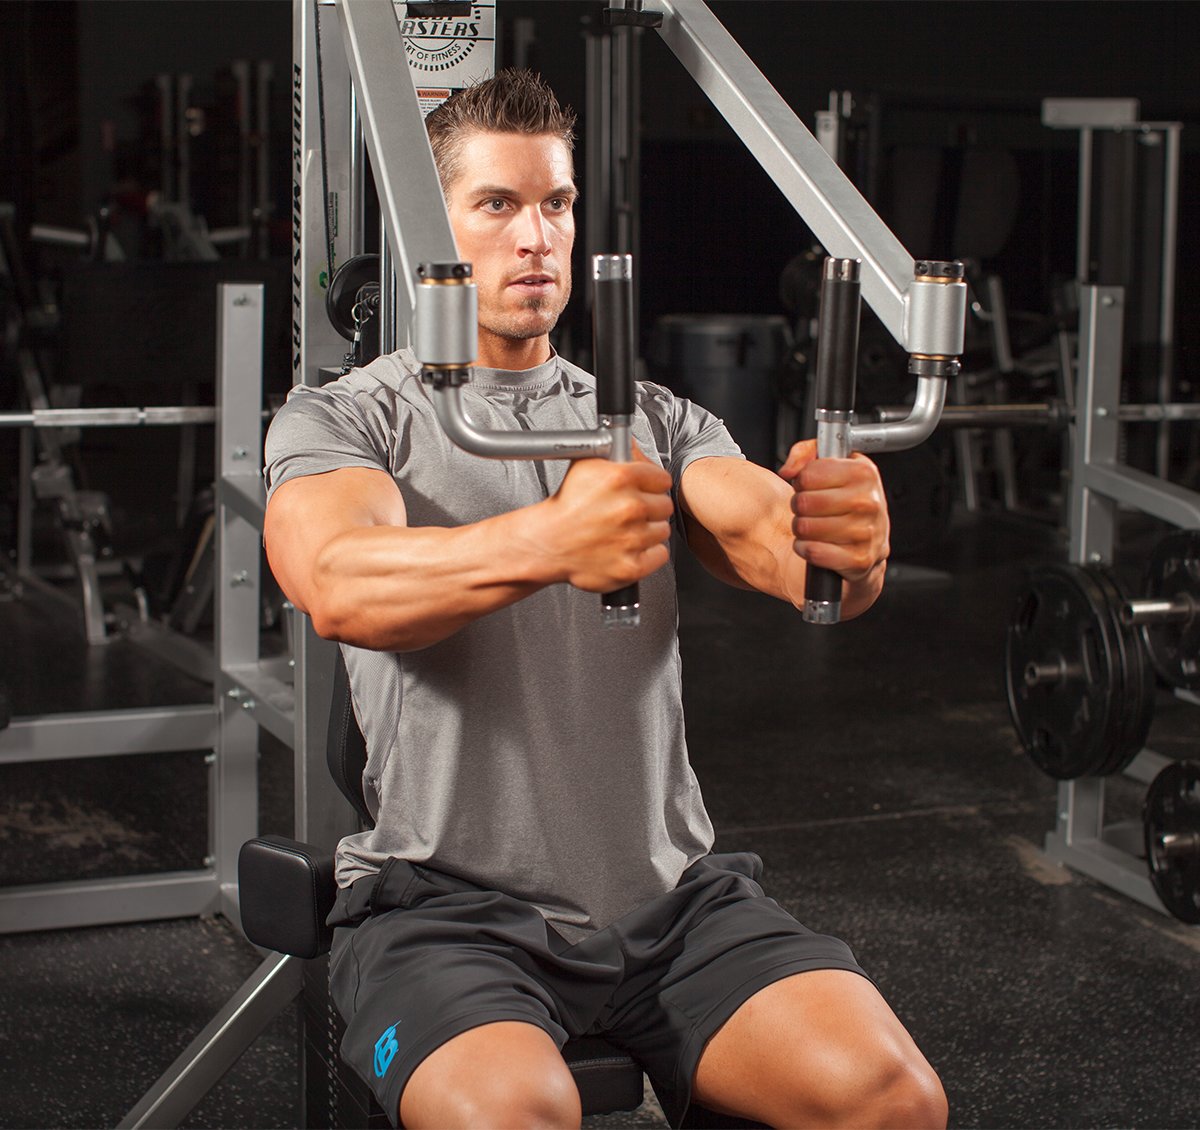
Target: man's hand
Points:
(608, 524)
(840, 512)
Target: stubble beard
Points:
(517, 325)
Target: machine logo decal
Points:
(440, 44)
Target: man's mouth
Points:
(536, 283)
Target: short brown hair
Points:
(513, 101)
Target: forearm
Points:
(772, 566)
(400, 588)
(755, 531)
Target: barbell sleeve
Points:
(614, 351)
(837, 359)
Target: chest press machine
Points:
(361, 99)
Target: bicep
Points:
(306, 514)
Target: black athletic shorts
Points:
(431, 956)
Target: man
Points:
(540, 865)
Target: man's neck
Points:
(512, 354)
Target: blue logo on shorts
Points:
(385, 1051)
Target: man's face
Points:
(511, 211)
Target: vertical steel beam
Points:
(321, 192)
(233, 791)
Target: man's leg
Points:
(820, 1048)
(501, 1075)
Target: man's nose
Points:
(534, 233)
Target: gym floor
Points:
(873, 767)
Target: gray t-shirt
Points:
(534, 751)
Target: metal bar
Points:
(1083, 223)
(1166, 298)
(317, 149)
(97, 902)
(270, 989)
(983, 415)
(582, 444)
(1145, 492)
(912, 430)
(233, 796)
(245, 494)
(269, 701)
(1092, 519)
(1109, 865)
(826, 199)
(357, 171)
(109, 417)
(388, 314)
(25, 504)
(107, 733)
(406, 180)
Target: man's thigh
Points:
(729, 943)
(412, 979)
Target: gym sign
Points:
(446, 53)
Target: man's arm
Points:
(342, 551)
(756, 529)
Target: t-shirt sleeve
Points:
(684, 430)
(319, 430)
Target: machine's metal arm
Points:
(924, 317)
(410, 194)
(923, 304)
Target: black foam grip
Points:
(837, 344)
(612, 327)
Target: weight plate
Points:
(1137, 697)
(1174, 572)
(1171, 818)
(1063, 673)
(343, 290)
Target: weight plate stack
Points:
(1171, 819)
(1064, 673)
(1138, 687)
(1174, 574)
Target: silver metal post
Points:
(1083, 224)
(1166, 324)
(358, 180)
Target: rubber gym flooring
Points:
(873, 767)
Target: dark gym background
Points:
(874, 768)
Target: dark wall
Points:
(947, 76)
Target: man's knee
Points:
(885, 1088)
(540, 1101)
(521, 1081)
(915, 1097)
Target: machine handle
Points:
(837, 361)
(613, 352)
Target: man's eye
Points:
(496, 204)
(559, 204)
